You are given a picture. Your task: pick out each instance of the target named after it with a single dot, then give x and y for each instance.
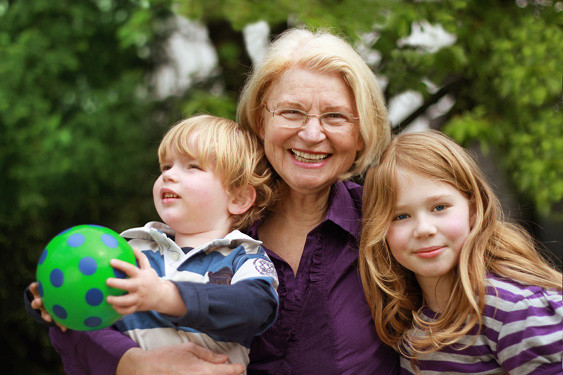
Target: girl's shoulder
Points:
(504, 295)
(504, 287)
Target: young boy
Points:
(216, 284)
(199, 279)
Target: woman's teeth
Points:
(308, 158)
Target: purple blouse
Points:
(324, 324)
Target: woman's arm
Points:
(108, 351)
(93, 352)
(186, 358)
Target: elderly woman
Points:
(319, 112)
(318, 109)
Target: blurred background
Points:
(87, 89)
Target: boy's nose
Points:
(168, 175)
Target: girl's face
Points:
(431, 221)
(309, 156)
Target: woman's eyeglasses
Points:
(296, 118)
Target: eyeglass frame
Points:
(345, 115)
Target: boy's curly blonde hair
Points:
(235, 156)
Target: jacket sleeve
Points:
(235, 312)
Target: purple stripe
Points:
(532, 353)
(468, 368)
(528, 332)
(520, 315)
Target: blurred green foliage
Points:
(79, 124)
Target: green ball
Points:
(72, 274)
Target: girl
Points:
(453, 287)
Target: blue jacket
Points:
(228, 286)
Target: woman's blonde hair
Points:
(321, 51)
(233, 153)
(493, 245)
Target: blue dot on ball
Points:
(57, 277)
(40, 289)
(76, 240)
(94, 297)
(88, 266)
(59, 311)
(43, 257)
(119, 274)
(109, 240)
(92, 321)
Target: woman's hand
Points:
(37, 304)
(186, 358)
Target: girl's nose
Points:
(312, 130)
(424, 228)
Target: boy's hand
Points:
(37, 304)
(146, 290)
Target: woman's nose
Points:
(312, 130)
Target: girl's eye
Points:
(165, 167)
(400, 217)
(440, 207)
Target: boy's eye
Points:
(193, 166)
(165, 167)
(400, 217)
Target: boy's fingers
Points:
(33, 289)
(37, 303)
(123, 284)
(128, 268)
(142, 259)
(124, 300)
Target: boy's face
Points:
(189, 198)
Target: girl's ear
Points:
(241, 200)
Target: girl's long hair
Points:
(493, 245)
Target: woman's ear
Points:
(260, 127)
(241, 200)
(360, 145)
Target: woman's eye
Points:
(440, 207)
(335, 115)
(292, 114)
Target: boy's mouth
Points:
(169, 195)
(166, 193)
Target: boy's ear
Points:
(241, 200)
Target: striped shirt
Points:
(228, 286)
(521, 333)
